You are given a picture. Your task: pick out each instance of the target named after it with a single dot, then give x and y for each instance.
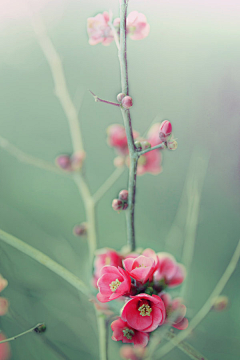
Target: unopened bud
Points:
(138, 145)
(172, 145)
(125, 206)
(127, 102)
(117, 204)
(165, 130)
(64, 162)
(220, 303)
(145, 145)
(80, 230)
(77, 160)
(120, 97)
(40, 329)
(123, 195)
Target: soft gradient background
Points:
(187, 71)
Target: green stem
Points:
(103, 336)
(160, 146)
(46, 261)
(23, 333)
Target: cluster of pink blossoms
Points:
(100, 30)
(141, 280)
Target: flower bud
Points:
(220, 303)
(125, 206)
(172, 145)
(165, 130)
(77, 160)
(80, 230)
(127, 102)
(120, 97)
(138, 145)
(64, 162)
(145, 145)
(117, 204)
(123, 195)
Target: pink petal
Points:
(141, 338)
(182, 325)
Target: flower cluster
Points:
(141, 280)
(101, 29)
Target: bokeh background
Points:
(186, 71)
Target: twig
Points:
(103, 335)
(104, 101)
(46, 261)
(108, 184)
(115, 35)
(206, 307)
(23, 333)
(160, 146)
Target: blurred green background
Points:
(186, 71)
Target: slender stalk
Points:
(104, 101)
(19, 335)
(46, 261)
(108, 184)
(160, 146)
(103, 336)
(206, 307)
(133, 156)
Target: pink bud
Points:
(172, 145)
(3, 306)
(77, 160)
(127, 102)
(120, 97)
(220, 303)
(117, 204)
(80, 230)
(165, 130)
(123, 195)
(64, 162)
(125, 206)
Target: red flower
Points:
(169, 270)
(140, 268)
(181, 323)
(113, 283)
(105, 257)
(122, 331)
(144, 312)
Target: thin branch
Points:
(108, 184)
(104, 101)
(103, 335)
(160, 146)
(206, 307)
(45, 261)
(23, 333)
(29, 159)
(61, 89)
(115, 35)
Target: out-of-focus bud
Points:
(123, 195)
(145, 145)
(64, 162)
(120, 97)
(125, 206)
(117, 204)
(127, 102)
(220, 303)
(135, 352)
(80, 230)
(40, 329)
(3, 283)
(77, 160)
(3, 306)
(138, 145)
(172, 145)
(119, 161)
(165, 130)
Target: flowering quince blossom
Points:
(144, 312)
(4, 348)
(3, 306)
(105, 257)
(137, 25)
(98, 29)
(140, 268)
(181, 323)
(169, 270)
(113, 283)
(122, 331)
(117, 138)
(150, 163)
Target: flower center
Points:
(114, 285)
(142, 160)
(128, 333)
(145, 310)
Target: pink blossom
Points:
(105, 257)
(165, 130)
(140, 268)
(122, 331)
(137, 26)
(153, 134)
(5, 352)
(3, 283)
(144, 312)
(98, 29)
(132, 353)
(169, 270)
(3, 306)
(117, 138)
(151, 253)
(113, 283)
(150, 163)
(181, 323)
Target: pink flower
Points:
(117, 138)
(137, 26)
(4, 349)
(151, 253)
(3, 283)
(153, 135)
(132, 353)
(105, 257)
(3, 306)
(181, 323)
(150, 163)
(144, 312)
(140, 268)
(113, 283)
(169, 270)
(122, 331)
(98, 29)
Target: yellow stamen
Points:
(145, 310)
(128, 333)
(114, 285)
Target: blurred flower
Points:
(4, 348)
(3, 306)
(220, 303)
(117, 138)
(181, 323)
(98, 29)
(3, 283)
(150, 163)
(169, 270)
(122, 331)
(132, 353)
(137, 26)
